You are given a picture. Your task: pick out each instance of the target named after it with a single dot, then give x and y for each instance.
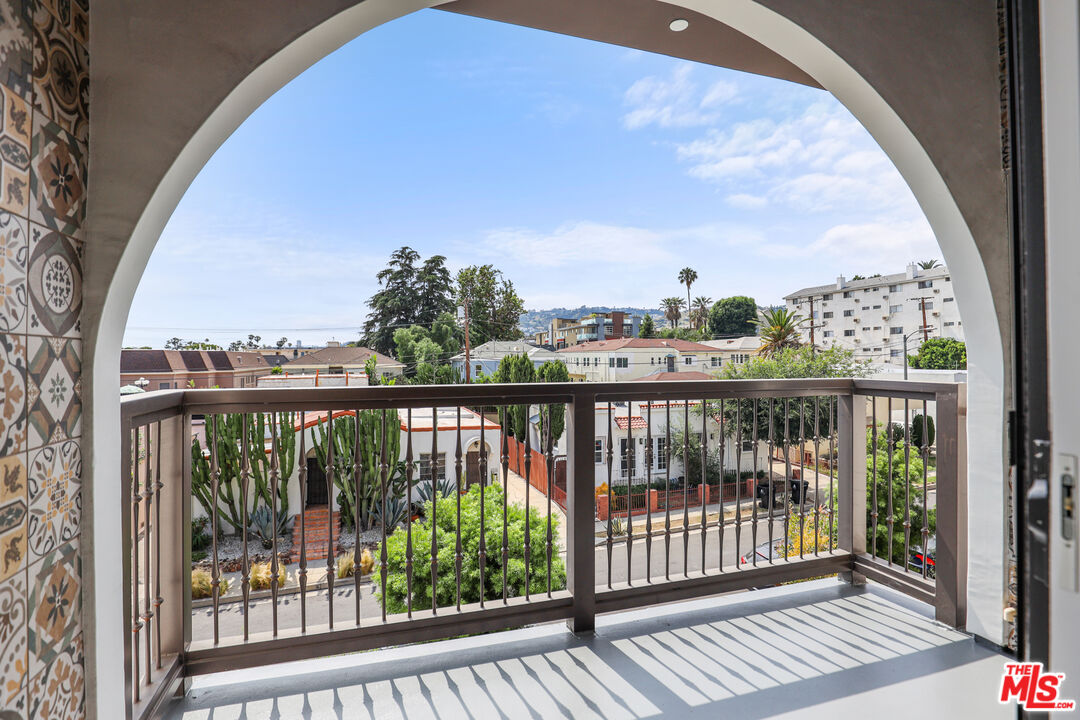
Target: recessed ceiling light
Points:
(678, 25)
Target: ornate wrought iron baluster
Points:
(505, 461)
(215, 569)
(482, 551)
(158, 485)
(705, 483)
(245, 478)
(817, 476)
(302, 573)
(754, 509)
(457, 524)
(630, 461)
(803, 483)
(408, 513)
(384, 475)
(667, 490)
(610, 481)
(331, 441)
(925, 453)
(136, 622)
(275, 482)
(686, 489)
(358, 478)
(528, 484)
(648, 490)
(769, 463)
(787, 479)
(435, 495)
(907, 482)
(549, 546)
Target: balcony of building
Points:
(605, 605)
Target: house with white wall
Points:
(632, 358)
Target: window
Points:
(671, 363)
(866, 290)
(688, 360)
(926, 284)
(625, 457)
(877, 307)
(896, 331)
(817, 314)
(849, 333)
(425, 466)
(622, 362)
(748, 445)
(611, 362)
(714, 362)
(895, 308)
(877, 327)
(828, 315)
(947, 300)
(827, 296)
(652, 361)
(865, 307)
(928, 304)
(949, 324)
(849, 313)
(477, 370)
(894, 288)
(895, 353)
(660, 454)
(829, 333)
(848, 294)
(164, 386)
(866, 329)
(598, 451)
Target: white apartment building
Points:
(873, 316)
(633, 358)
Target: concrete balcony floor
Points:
(812, 650)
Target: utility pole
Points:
(813, 326)
(924, 330)
(468, 363)
(922, 305)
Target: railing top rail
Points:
(158, 405)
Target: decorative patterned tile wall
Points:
(44, 130)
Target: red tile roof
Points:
(623, 343)
(636, 422)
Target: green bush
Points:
(445, 533)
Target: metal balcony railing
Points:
(856, 481)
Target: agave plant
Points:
(396, 512)
(444, 487)
(261, 524)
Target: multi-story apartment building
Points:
(485, 358)
(566, 332)
(632, 358)
(736, 351)
(872, 316)
(173, 369)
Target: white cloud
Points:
(746, 201)
(676, 101)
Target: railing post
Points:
(851, 479)
(175, 611)
(950, 561)
(581, 528)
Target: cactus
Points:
(371, 458)
(230, 466)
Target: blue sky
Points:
(588, 173)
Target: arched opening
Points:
(755, 21)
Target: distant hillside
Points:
(534, 321)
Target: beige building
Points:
(337, 360)
(736, 351)
(632, 358)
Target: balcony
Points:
(897, 543)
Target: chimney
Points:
(840, 282)
(912, 271)
(617, 324)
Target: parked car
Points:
(916, 559)
(797, 488)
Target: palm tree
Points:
(929, 264)
(673, 307)
(700, 312)
(779, 330)
(688, 276)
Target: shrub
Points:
(367, 562)
(445, 534)
(201, 585)
(261, 576)
(346, 566)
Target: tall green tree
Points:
(779, 330)
(940, 354)
(553, 371)
(688, 276)
(433, 346)
(494, 306)
(733, 316)
(435, 291)
(699, 312)
(673, 307)
(394, 304)
(647, 329)
(515, 369)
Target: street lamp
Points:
(910, 335)
(141, 383)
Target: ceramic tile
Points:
(56, 693)
(13, 515)
(54, 283)
(73, 16)
(61, 77)
(13, 646)
(57, 178)
(54, 485)
(12, 393)
(14, 254)
(15, 123)
(53, 390)
(53, 606)
(17, 46)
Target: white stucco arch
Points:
(986, 371)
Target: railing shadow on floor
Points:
(783, 650)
